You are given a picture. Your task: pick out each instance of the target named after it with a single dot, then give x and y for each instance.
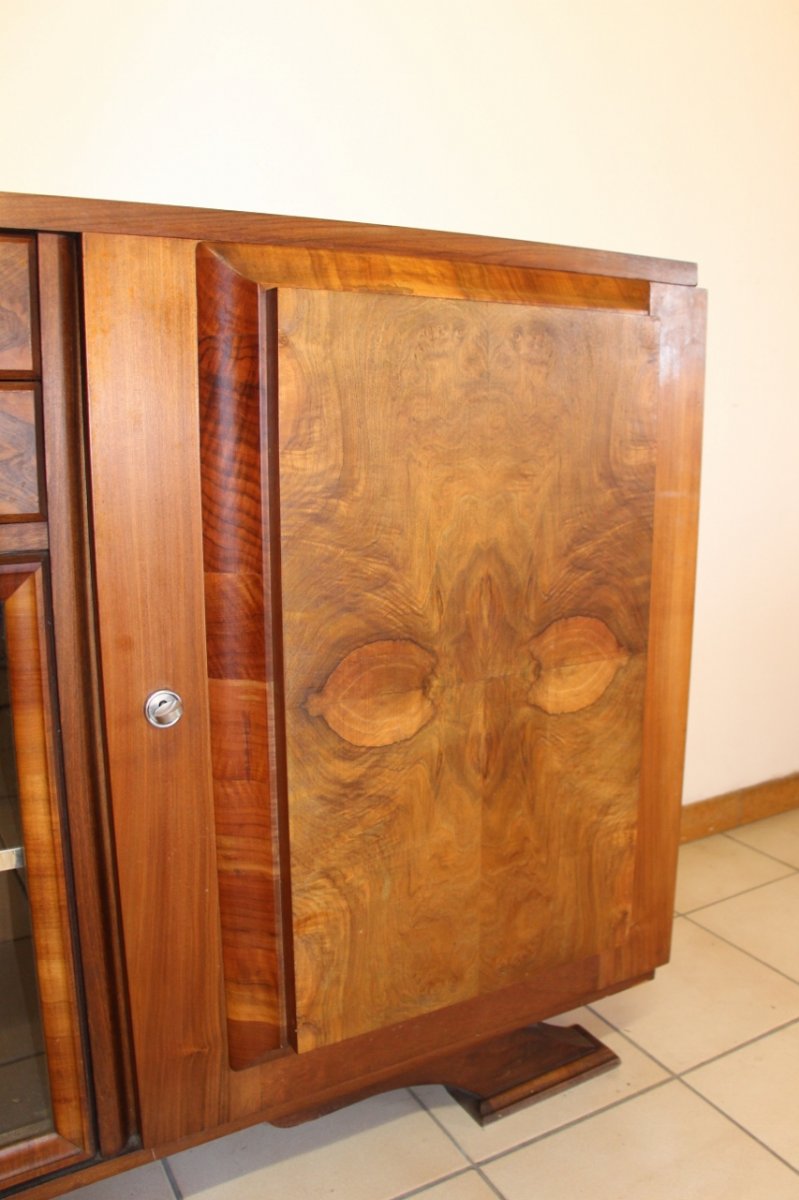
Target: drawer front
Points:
(18, 355)
(21, 491)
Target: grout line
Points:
(760, 1037)
(490, 1184)
(743, 1128)
(629, 1038)
(173, 1183)
(777, 971)
(420, 1191)
(443, 1127)
(744, 892)
(541, 1137)
(731, 835)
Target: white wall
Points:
(667, 129)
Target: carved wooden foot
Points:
(513, 1071)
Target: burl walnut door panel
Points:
(466, 501)
(429, 527)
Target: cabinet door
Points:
(45, 1120)
(415, 542)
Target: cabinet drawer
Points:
(21, 490)
(17, 307)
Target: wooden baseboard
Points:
(720, 813)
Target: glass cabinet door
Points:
(44, 1112)
(25, 1106)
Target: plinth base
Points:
(513, 1071)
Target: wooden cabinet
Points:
(408, 522)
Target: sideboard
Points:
(347, 579)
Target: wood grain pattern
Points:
(348, 271)
(241, 659)
(460, 478)
(577, 658)
(141, 349)
(378, 694)
(681, 317)
(22, 593)
(160, 220)
(18, 349)
(25, 536)
(77, 670)
(21, 494)
(140, 306)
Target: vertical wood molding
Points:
(141, 339)
(78, 674)
(233, 352)
(681, 313)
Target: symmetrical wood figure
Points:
(467, 500)
(408, 522)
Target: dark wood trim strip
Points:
(740, 807)
(19, 211)
(241, 658)
(78, 675)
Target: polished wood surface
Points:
(18, 345)
(466, 512)
(142, 346)
(243, 661)
(681, 317)
(20, 493)
(141, 349)
(77, 672)
(160, 220)
(26, 536)
(524, 1067)
(349, 271)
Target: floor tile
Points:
(710, 998)
(765, 923)
(469, 1186)
(144, 1183)
(716, 868)
(776, 835)
(372, 1151)
(635, 1073)
(759, 1087)
(663, 1145)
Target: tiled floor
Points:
(705, 1104)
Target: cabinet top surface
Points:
(72, 215)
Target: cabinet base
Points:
(516, 1070)
(489, 1079)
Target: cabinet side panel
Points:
(681, 316)
(141, 348)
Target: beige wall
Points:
(667, 129)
